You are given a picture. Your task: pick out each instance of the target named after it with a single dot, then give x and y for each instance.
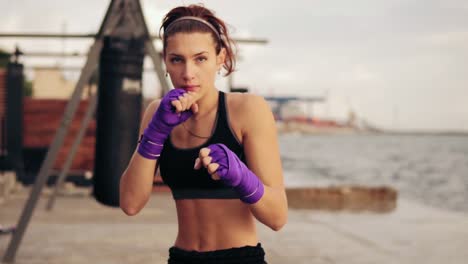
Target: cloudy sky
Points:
(399, 64)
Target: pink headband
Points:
(193, 18)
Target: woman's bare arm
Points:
(261, 148)
(136, 182)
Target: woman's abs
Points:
(214, 224)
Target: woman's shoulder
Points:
(248, 106)
(247, 101)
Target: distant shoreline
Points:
(411, 133)
(428, 133)
(348, 130)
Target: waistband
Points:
(198, 193)
(246, 254)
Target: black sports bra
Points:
(176, 165)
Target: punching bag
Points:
(118, 114)
(14, 118)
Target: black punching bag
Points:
(118, 114)
(14, 118)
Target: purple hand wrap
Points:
(161, 125)
(233, 172)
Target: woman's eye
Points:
(201, 59)
(175, 60)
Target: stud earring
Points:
(167, 74)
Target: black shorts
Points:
(242, 255)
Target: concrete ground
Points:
(79, 230)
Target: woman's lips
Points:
(191, 88)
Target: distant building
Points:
(49, 83)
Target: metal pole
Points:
(90, 35)
(151, 51)
(45, 35)
(53, 54)
(157, 62)
(76, 144)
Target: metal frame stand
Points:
(122, 17)
(92, 104)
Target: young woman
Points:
(218, 152)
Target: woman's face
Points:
(191, 61)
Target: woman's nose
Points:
(189, 71)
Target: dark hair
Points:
(188, 26)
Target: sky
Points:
(398, 64)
